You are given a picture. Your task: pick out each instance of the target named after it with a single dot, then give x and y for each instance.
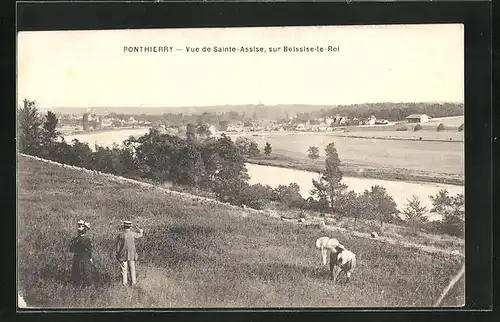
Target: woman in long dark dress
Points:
(81, 247)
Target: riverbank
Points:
(104, 130)
(365, 133)
(353, 170)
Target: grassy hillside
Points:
(197, 254)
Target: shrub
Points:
(461, 127)
(376, 204)
(351, 205)
(247, 146)
(414, 212)
(262, 192)
(440, 127)
(290, 195)
(238, 192)
(267, 148)
(452, 208)
(417, 127)
(316, 205)
(313, 153)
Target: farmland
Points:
(197, 254)
(428, 130)
(379, 152)
(439, 157)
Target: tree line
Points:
(388, 111)
(217, 165)
(281, 114)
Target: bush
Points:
(417, 127)
(461, 127)
(316, 205)
(452, 208)
(414, 212)
(247, 146)
(262, 192)
(440, 127)
(238, 193)
(452, 229)
(268, 148)
(376, 204)
(402, 128)
(313, 153)
(290, 195)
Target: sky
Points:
(398, 63)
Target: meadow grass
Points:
(200, 254)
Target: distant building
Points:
(418, 118)
(107, 122)
(212, 129)
(329, 121)
(169, 130)
(301, 127)
(370, 121)
(86, 125)
(343, 120)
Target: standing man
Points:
(125, 251)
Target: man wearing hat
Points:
(125, 251)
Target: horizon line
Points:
(259, 104)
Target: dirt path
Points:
(244, 211)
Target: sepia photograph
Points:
(241, 167)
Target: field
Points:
(408, 155)
(201, 255)
(428, 131)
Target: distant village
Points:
(90, 122)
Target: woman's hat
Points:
(81, 222)
(127, 223)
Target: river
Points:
(107, 138)
(274, 176)
(399, 190)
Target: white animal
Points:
(326, 244)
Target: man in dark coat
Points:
(81, 247)
(126, 253)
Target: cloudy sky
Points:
(374, 64)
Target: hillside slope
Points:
(198, 254)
